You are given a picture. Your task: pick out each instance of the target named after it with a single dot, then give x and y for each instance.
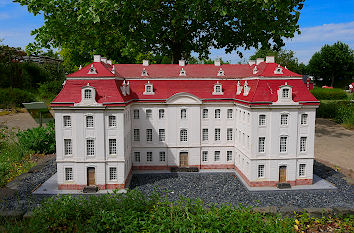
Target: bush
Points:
(341, 111)
(134, 212)
(14, 97)
(39, 140)
(329, 94)
(14, 158)
(49, 90)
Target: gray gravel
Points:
(216, 188)
(225, 188)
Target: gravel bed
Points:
(225, 188)
(215, 188)
(23, 198)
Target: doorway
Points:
(91, 176)
(183, 159)
(282, 174)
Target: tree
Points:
(282, 57)
(333, 64)
(121, 30)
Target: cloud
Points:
(18, 37)
(326, 32)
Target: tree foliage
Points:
(333, 65)
(282, 57)
(124, 30)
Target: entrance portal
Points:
(282, 174)
(91, 176)
(183, 159)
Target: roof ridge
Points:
(254, 93)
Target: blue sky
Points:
(321, 22)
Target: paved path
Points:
(334, 145)
(22, 120)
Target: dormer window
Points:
(149, 89)
(221, 72)
(144, 72)
(88, 94)
(278, 70)
(182, 72)
(92, 70)
(246, 89)
(218, 89)
(285, 93)
(239, 88)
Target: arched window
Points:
(184, 113)
(88, 94)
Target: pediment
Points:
(183, 98)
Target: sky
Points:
(321, 22)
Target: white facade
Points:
(266, 144)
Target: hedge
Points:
(329, 94)
(14, 97)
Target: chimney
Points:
(217, 62)
(259, 60)
(96, 58)
(251, 62)
(182, 63)
(270, 59)
(145, 62)
(104, 60)
(109, 62)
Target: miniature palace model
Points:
(256, 118)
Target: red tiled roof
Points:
(173, 71)
(108, 91)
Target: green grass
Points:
(14, 158)
(134, 212)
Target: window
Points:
(262, 120)
(261, 141)
(148, 113)
(217, 156)
(149, 135)
(112, 146)
(112, 122)
(87, 94)
(205, 156)
(217, 88)
(89, 121)
(304, 119)
(205, 113)
(137, 156)
(284, 119)
(112, 173)
(183, 135)
(303, 144)
(285, 93)
(217, 134)
(205, 136)
(149, 156)
(302, 169)
(229, 134)
(217, 113)
(283, 142)
(136, 135)
(68, 148)
(161, 113)
(69, 174)
(136, 113)
(229, 113)
(229, 155)
(260, 171)
(162, 156)
(161, 135)
(149, 89)
(90, 147)
(67, 121)
(183, 113)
